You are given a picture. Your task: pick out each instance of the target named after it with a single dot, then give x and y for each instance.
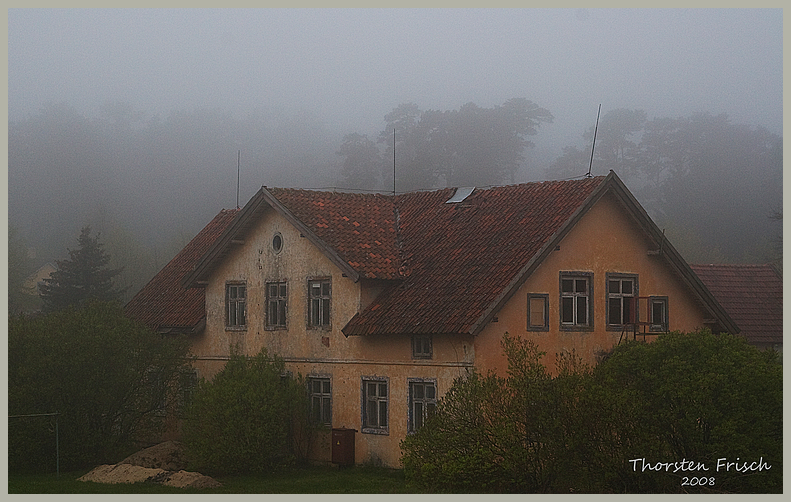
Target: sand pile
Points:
(163, 463)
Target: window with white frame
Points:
(320, 400)
(236, 305)
(621, 300)
(276, 296)
(375, 405)
(319, 303)
(422, 402)
(576, 291)
(659, 313)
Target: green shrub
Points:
(243, 421)
(107, 376)
(695, 397)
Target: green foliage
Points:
(243, 421)
(493, 434)
(20, 266)
(81, 278)
(696, 397)
(107, 376)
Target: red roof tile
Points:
(359, 227)
(459, 258)
(751, 294)
(164, 302)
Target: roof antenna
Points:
(394, 164)
(238, 157)
(590, 166)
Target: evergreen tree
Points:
(83, 277)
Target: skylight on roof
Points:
(461, 194)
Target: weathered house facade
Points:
(382, 301)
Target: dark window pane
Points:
(658, 316)
(372, 389)
(418, 391)
(315, 312)
(326, 413)
(582, 310)
(567, 310)
(382, 390)
(325, 311)
(615, 286)
(371, 413)
(382, 413)
(430, 392)
(316, 408)
(627, 287)
(325, 288)
(567, 285)
(614, 311)
(580, 286)
(283, 290)
(326, 388)
(418, 415)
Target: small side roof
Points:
(752, 295)
(164, 304)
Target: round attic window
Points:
(277, 242)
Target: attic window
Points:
(461, 194)
(277, 243)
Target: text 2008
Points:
(697, 481)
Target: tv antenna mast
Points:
(590, 166)
(394, 163)
(238, 158)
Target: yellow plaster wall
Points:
(605, 240)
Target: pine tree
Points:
(81, 278)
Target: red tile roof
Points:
(358, 227)
(459, 258)
(164, 303)
(752, 295)
(450, 265)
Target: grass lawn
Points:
(298, 480)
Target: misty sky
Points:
(351, 67)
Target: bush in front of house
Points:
(243, 420)
(686, 396)
(495, 434)
(696, 397)
(107, 376)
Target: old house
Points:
(753, 297)
(382, 301)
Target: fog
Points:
(163, 100)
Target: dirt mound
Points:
(163, 463)
(168, 456)
(121, 473)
